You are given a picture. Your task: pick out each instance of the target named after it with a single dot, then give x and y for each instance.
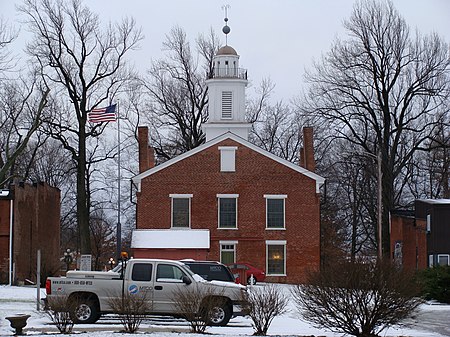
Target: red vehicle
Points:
(252, 273)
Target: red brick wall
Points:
(4, 239)
(412, 237)
(35, 226)
(255, 176)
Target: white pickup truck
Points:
(159, 279)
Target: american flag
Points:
(107, 114)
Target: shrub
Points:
(58, 309)
(201, 306)
(359, 299)
(264, 304)
(435, 283)
(131, 308)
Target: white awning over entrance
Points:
(170, 239)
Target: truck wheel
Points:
(85, 312)
(219, 315)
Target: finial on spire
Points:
(226, 29)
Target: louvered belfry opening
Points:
(227, 104)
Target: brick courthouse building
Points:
(229, 200)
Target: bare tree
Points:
(429, 172)
(178, 100)
(7, 36)
(264, 304)
(201, 306)
(22, 104)
(132, 309)
(360, 299)
(58, 309)
(275, 126)
(103, 239)
(381, 90)
(84, 63)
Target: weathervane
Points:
(226, 29)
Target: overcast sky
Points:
(276, 38)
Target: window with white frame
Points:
(443, 260)
(227, 204)
(275, 211)
(228, 252)
(276, 257)
(227, 158)
(181, 210)
(430, 260)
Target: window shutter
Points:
(227, 104)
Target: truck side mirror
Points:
(186, 280)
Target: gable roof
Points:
(229, 135)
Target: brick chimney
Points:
(307, 151)
(146, 152)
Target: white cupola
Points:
(226, 92)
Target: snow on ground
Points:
(432, 321)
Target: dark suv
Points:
(210, 270)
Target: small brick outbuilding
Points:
(31, 215)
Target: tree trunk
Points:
(82, 204)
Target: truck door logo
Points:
(133, 289)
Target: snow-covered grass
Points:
(432, 321)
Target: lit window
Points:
(227, 210)
(276, 258)
(181, 210)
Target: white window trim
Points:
(227, 196)
(428, 223)
(442, 255)
(232, 196)
(179, 196)
(276, 196)
(228, 148)
(233, 243)
(227, 166)
(279, 243)
(276, 242)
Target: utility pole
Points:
(380, 205)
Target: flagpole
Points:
(119, 229)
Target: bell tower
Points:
(226, 91)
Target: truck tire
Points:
(85, 311)
(219, 315)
